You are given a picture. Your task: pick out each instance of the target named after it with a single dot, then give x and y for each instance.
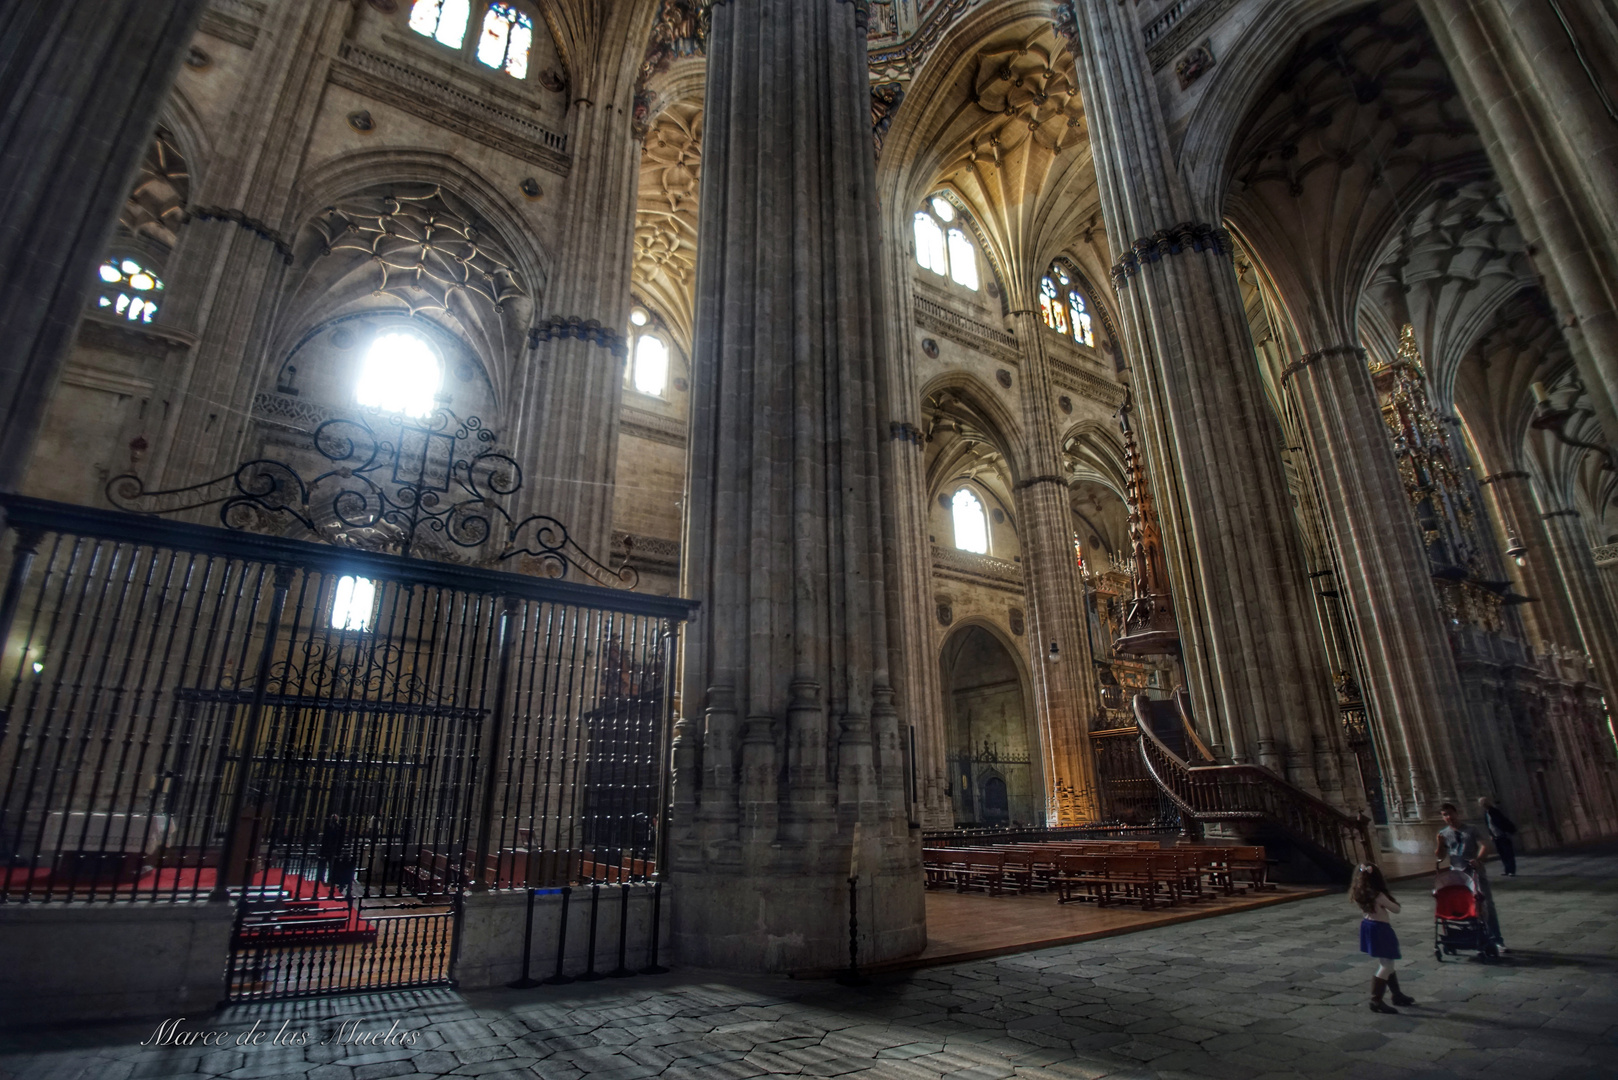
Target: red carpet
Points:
(284, 908)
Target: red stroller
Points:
(1457, 923)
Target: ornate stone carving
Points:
(1028, 92)
(510, 130)
(426, 252)
(931, 315)
(1186, 236)
(666, 213)
(885, 99)
(1194, 64)
(156, 207)
(654, 427)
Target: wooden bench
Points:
(1251, 863)
(966, 868)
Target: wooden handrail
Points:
(1252, 793)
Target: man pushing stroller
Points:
(1465, 848)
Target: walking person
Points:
(1369, 891)
(1465, 849)
(1501, 829)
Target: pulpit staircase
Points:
(1311, 838)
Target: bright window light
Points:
(930, 250)
(963, 260)
(442, 20)
(400, 374)
(651, 365)
(353, 603)
(971, 524)
(941, 207)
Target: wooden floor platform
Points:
(970, 926)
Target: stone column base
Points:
(785, 922)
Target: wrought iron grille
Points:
(192, 712)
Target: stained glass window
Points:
(504, 43)
(400, 374)
(971, 524)
(1050, 306)
(1064, 308)
(128, 290)
(442, 20)
(1081, 320)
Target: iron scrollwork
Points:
(435, 487)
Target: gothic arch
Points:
(379, 169)
(958, 403)
(951, 737)
(1233, 89)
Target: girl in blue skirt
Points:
(1369, 892)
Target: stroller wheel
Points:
(1438, 954)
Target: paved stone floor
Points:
(1268, 993)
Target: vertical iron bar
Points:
(590, 973)
(527, 981)
(622, 970)
(654, 968)
(505, 641)
(558, 979)
(238, 800)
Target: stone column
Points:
(1419, 708)
(567, 423)
(1065, 695)
(1586, 594)
(1258, 676)
(1556, 153)
(788, 773)
(1549, 617)
(82, 85)
(226, 279)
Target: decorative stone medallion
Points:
(946, 614)
(1015, 614)
(930, 347)
(1003, 377)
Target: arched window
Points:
(971, 523)
(942, 246)
(1064, 308)
(648, 355)
(442, 20)
(1050, 306)
(401, 373)
(506, 38)
(128, 289)
(931, 252)
(963, 260)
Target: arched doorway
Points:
(994, 777)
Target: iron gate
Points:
(338, 742)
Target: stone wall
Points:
(111, 961)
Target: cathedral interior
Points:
(694, 456)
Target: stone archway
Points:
(991, 743)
